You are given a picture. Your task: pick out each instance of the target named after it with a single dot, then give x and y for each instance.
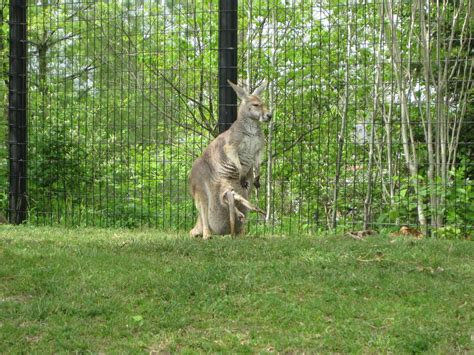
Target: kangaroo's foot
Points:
(240, 215)
(195, 232)
(246, 203)
(206, 236)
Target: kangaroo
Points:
(221, 178)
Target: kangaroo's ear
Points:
(241, 93)
(260, 89)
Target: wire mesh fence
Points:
(372, 100)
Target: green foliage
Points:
(449, 232)
(123, 97)
(457, 203)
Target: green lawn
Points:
(143, 291)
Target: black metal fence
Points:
(373, 110)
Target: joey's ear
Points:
(260, 89)
(241, 93)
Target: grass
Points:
(113, 291)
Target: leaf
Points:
(138, 318)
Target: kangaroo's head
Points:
(251, 105)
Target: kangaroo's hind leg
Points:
(197, 230)
(204, 211)
(202, 224)
(229, 198)
(234, 212)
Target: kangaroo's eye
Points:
(255, 105)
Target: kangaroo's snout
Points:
(267, 116)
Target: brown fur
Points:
(220, 179)
(408, 231)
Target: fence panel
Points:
(372, 109)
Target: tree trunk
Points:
(368, 197)
(340, 140)
(408, 143)
(272, 101)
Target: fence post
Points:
(17, 128)
(227, 63)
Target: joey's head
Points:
(251, 106)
